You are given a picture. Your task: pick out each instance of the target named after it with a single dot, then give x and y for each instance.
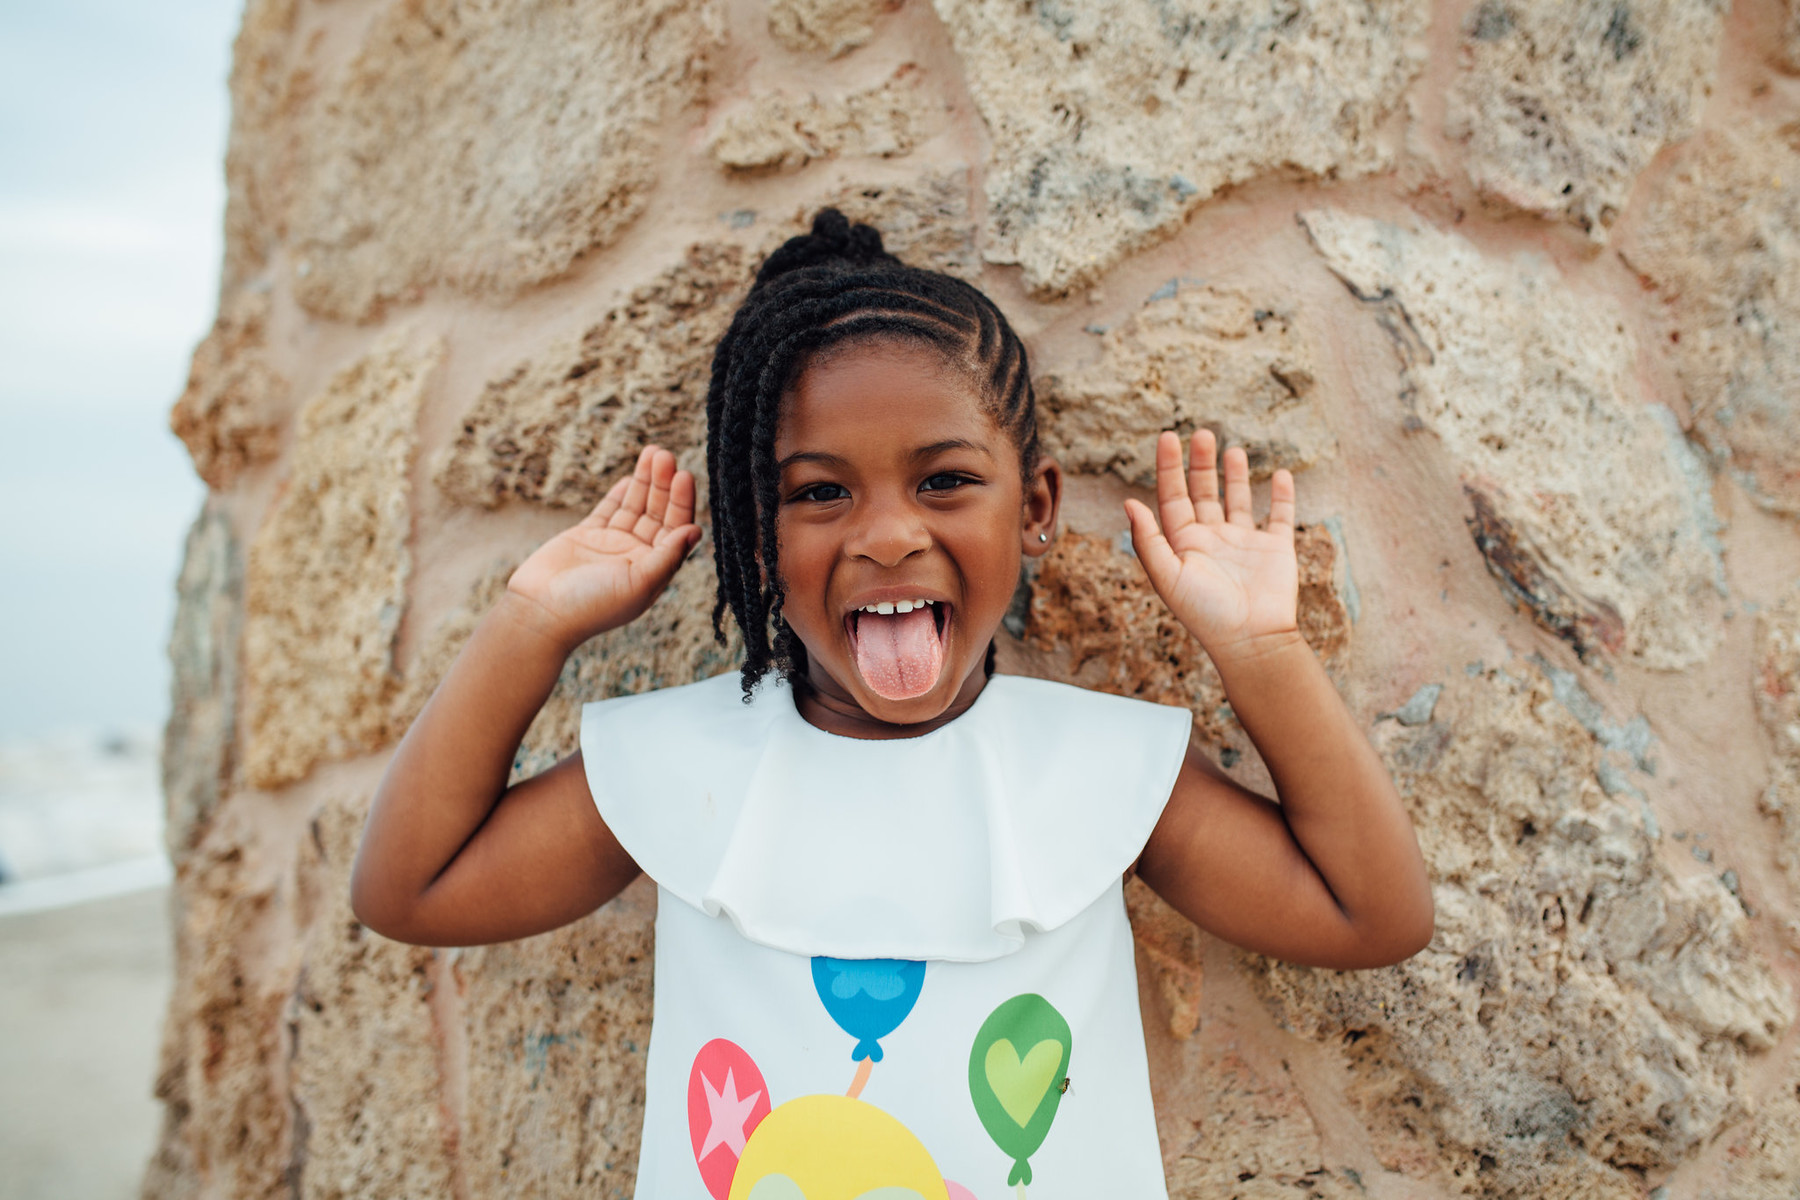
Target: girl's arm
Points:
(1332, 876)
(450, 854)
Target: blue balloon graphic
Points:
(868, 997)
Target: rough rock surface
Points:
(1194, 355)
(1110, 123)
(1722, 239)
(1563, 102)
(537, 1042)
(557, 429)
(436, 160)
(1582, 1014)
(1764, 1159)
(270, 87)
(228, 413)
(200, 740)
(1777, 690)
(1589, 505)
(364, 1044)
(326, 582)
(781, 129)
(828, 27)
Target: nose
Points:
(888, 534)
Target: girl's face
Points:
(897, 487)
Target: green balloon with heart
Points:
(1018, 1071)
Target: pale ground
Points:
(82, 994)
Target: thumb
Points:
(1158, 558)
(670, 551)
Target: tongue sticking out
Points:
(899, 655)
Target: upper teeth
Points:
(888, 607)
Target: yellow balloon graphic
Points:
(834, 1148)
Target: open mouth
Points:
(899, 645)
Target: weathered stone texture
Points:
(1721, 236)
(227, 1126)
(556, 1056)
(199, 741)
(1110, 123)
(229, 413)
(326, 582)
(1777, 690)
(1092, 605)
(1562, 102)
(557, 430)
(270, 86)
(781, 129)
(1581, 1015)
(364, 1067)
(488, 146)
(1763, 1159)
(828, 27)
(1195, 355)
(1589, 505)
(1176, 951)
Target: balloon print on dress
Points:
(868, 998)
(727, 1100)
(1018, 1071)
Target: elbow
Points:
(373, 910)
(1409, 936)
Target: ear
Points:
(1043, 501)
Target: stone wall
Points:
(1512, 285)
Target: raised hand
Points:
(1234, 586)
(606, 570)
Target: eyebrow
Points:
(923, 452)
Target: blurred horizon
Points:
(113, 117)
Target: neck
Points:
(824, 705)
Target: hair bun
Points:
(833, 239)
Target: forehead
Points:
(879, 395)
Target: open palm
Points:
(1229, 582)
(606, 570)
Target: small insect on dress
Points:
(891, 970)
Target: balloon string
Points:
(862, 1078)
(1021, 1190)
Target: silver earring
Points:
(1043, 537)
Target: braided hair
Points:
(823, 290)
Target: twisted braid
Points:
(828, 288)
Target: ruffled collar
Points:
(954, 845)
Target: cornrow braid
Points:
(824, 289)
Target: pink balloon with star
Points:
(727, 1099)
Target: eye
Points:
(945, 481)
(822, 493)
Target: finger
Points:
(1281, 504)
(1172, 501)
(662, 472)
(1237, 488)
(658, 566)
(681, 499)
(1159, 560)
(609, 503)
(1203, 476)
(632, 507)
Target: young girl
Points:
(892, 958)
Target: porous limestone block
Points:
(325, 586)
(227, 1123)
(200, 739)
(784, 129)
(1589, 505)
(486, 147)
(1561, 103)
(1110, 123)
(828, 27)
(1195, 355)
(557, 1029)
(364, 1060)
(1777, 689)
(271, 86)
(228, 415)
(1721, 237)
(1581, 1015)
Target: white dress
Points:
(891, 970)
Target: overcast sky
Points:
(112, 130)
